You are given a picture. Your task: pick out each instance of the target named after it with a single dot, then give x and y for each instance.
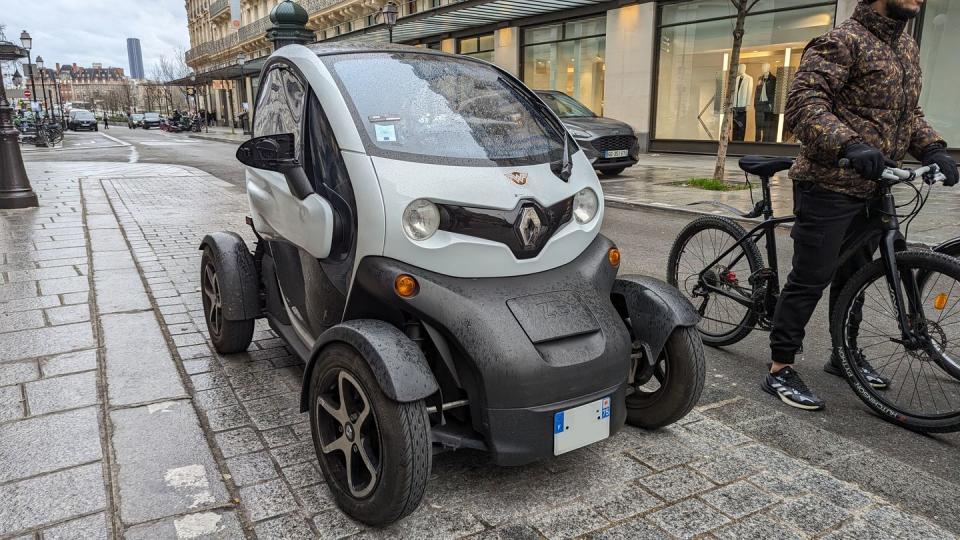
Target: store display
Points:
(764, 118)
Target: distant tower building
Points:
(135, 57)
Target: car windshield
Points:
(151, 116)
(564, 105)
(137, 116)
(441, 109)
(84, 116)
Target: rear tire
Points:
(394, 437)
(718, 327)
(227, 336)
(676, 384)
(922, 377)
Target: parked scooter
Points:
(434, 256)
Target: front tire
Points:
(375, 453)
(924, 390)
(227, 336)
(671, 388)
(724, 321)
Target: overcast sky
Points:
(88, 31)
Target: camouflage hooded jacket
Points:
(857, 83)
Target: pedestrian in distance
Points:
(106, 122)
(862, 75)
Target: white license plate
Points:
(615, 153)
(577, 427)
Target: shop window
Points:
(569, 57)
(477, 46)
(694, 60)
(939, 43)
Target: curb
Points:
(217, 138)
(673, 209)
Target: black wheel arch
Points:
(238, 275)
(400, 367)
(654, 307)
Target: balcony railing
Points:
(218, 6)
(313, 6)
(253, 30)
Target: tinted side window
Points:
(280, 106)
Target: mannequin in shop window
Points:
(765, 119)
(742, 88)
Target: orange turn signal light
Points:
(613, 257)
(406, 286)
(940, 302)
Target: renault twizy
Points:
(428, 243)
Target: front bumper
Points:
(571, 348)
(595, 148)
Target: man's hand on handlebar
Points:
(866, 160)
(948, 167)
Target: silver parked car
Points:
(610, 144)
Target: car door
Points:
(294, 228)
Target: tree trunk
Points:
(726, 127)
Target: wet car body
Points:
(610, 145)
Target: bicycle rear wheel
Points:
(924, 390)
(725, 321)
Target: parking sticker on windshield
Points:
(386, 132)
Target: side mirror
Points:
(277, 153)
(270, 152)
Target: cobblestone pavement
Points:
(652, 182)
(118, 420)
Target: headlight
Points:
(421, 219)
(578, 133)
(585, 205)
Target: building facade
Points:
(659, 65)
(135, 58)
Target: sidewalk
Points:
(651, 184)
(118, 420)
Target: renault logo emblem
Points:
(517, 178)
(530, 227)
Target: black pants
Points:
(828, 225)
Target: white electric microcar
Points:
(428, 242)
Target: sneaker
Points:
(876, 380)
(790, 388)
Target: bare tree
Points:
(743, 7)
(168, 69)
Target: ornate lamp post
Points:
(27, 42)
(289, 21)
(390, 12)
(15, 190)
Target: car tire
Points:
(680, 381)
(613, 172)
(227, 336)
(394, 438)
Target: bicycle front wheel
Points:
(719, 295)
(924, 382)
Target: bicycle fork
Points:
(909, 308)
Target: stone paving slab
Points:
(161, 471)
(133, 342)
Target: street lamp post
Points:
(241, 60)
(15, 190)
(390, 12)
(27, 42)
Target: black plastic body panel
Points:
(514, 385)
(655, 309)
(238, 273)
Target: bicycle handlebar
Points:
(930, 173)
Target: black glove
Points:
(942, 159)
(866, 160)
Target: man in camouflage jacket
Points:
(855, 96)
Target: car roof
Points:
(346, 47)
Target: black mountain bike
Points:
(902, 310)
